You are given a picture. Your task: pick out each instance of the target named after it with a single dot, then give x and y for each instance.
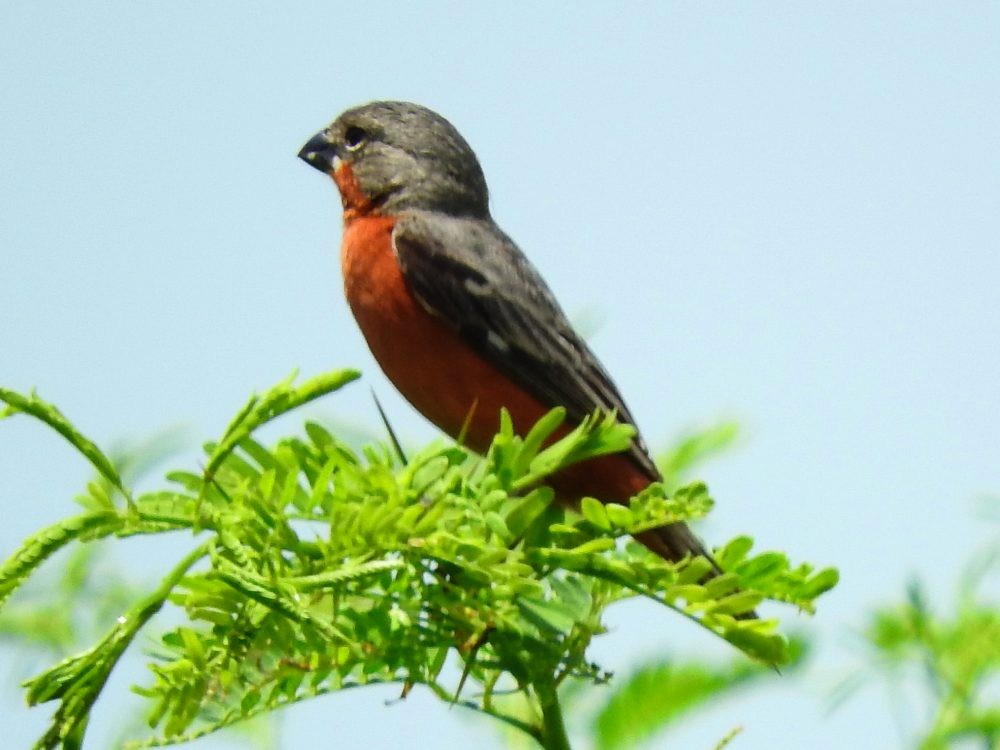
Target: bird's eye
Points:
(355, 137)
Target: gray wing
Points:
(472, 276)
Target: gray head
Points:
(393, 156)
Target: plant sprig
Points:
(324, 568)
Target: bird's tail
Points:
(676, 541)
(616, 478)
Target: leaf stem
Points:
(553, 730)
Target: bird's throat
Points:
(356, 203)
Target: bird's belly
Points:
(434, 369)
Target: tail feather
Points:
(616, 478)
(676, 541)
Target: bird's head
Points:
(388, 157)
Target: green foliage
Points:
(693, 449)
(955, 658)
(640, 704)
(72, 605)
(318, 568)
(50, 415)
(660, 692)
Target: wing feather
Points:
(471, 275)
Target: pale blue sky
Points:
(785, 213)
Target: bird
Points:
(453, 311)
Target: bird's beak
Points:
(319, 152)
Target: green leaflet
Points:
(598, 435)
(39, 547)
(527, 511)
(659, 692)
(552, 616)
(694, 449)
(77, 681)
(278, 400)
(50, 415)
(536, 437)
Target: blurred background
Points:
(783, 214)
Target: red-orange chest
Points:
(373, 281)
(430, 364)
(418, 353)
